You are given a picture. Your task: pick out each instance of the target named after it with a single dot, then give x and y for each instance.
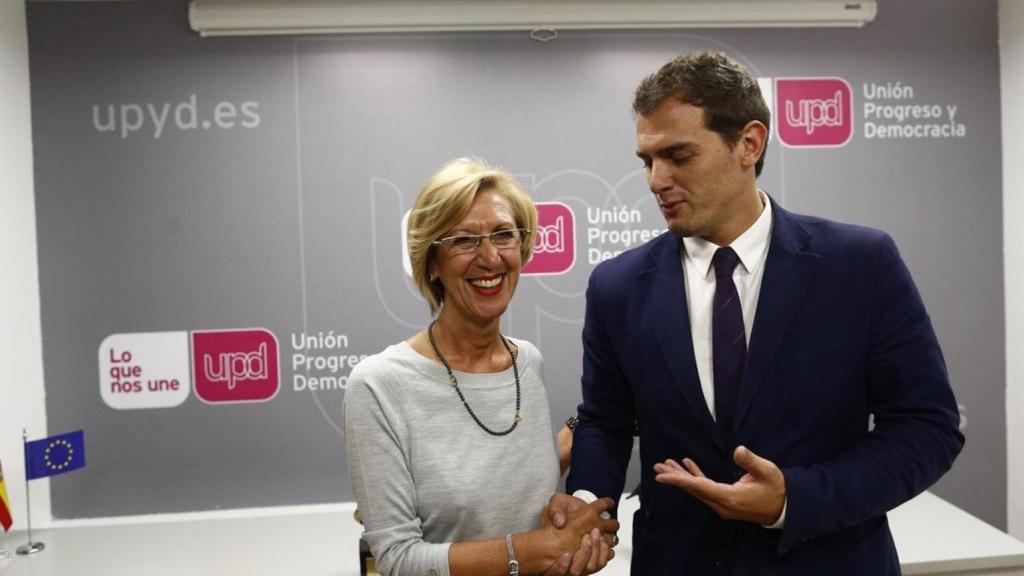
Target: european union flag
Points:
(55, 455)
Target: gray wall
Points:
(187, 184)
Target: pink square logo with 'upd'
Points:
(554, 244)
(235, 365)
(813, 112)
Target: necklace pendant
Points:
(453, 381)
(518, 418)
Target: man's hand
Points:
(562, 505)
(758, 496)
(559, 508)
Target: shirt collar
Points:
(751, 246)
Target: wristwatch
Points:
(572, 422)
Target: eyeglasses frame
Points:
(479, 238)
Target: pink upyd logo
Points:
(814, 111)
(235, 365)
(554, 245)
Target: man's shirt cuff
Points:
(589, 497)
(780, 523)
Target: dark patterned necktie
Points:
(728, 340)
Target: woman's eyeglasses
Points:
(500, 239)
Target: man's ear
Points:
(752, 141)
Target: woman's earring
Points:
(432, 277)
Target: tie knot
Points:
(725, 261)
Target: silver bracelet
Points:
(513, 564)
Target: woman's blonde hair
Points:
(445, 200)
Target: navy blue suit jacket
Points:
(840, 335)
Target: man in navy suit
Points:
(781, 370)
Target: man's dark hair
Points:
(721, 86)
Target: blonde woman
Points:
(448, 434)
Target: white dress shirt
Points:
(752, 248)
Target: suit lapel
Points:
(787, 275)
(665, 304)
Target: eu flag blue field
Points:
(55, 455)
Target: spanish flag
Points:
(5, 504)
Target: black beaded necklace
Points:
(455, 383)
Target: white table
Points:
(310, 543)
(932, 537)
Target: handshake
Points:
(578, 538)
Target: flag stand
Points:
(31, 547)
(4, 554)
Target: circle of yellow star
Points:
(58, 466)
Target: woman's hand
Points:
(563, 441)
(593, 555)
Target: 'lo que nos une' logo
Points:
(813, 112)
(235, 365)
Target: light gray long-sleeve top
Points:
(425, 475)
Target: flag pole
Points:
(31, 547)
